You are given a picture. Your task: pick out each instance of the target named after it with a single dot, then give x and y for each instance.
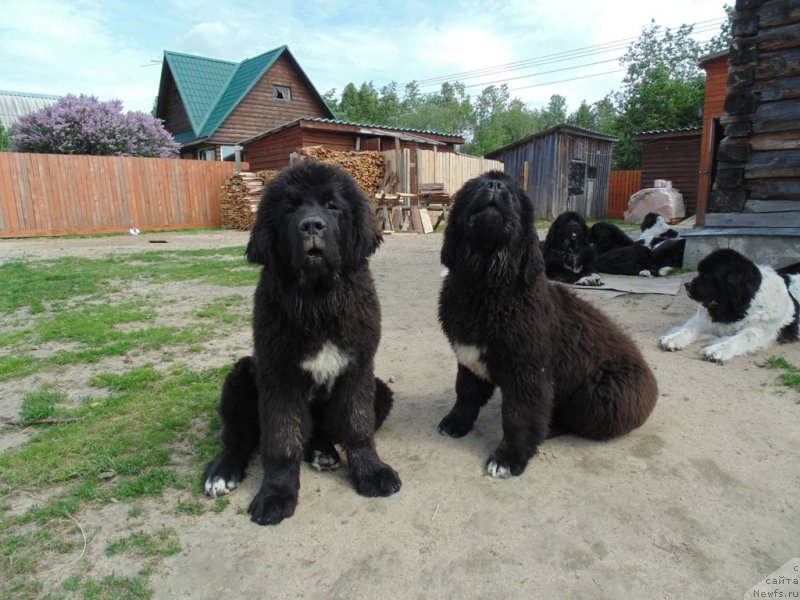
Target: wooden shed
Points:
(562, 168)
(272, 148)
(672, 155)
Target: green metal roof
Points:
(211, 89)
(240, 83)
(200, 81)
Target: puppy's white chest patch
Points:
(470, 357)
(326, 365)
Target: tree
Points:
(85, 125)
(5, 139)
(663, 88)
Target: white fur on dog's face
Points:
(770, 309)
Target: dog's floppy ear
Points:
(452, 233)
(366, 234)
(259, 248)
(532, 262)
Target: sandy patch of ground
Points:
(700, 502)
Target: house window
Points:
(206, 154)
(281, 92)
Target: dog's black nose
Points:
(312, 225)
(495, 185)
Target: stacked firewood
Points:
(239, 198)
(367, 168)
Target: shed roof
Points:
(413, 134)
(211, 89)
(663, 133)
(562, 126)
(703, 60)
(13, 105)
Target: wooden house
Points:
(754, 204)
(271, 149)
(716, 68)
(210, 105)
(672, 155)
(562, 168)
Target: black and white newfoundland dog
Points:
(568, 253)
(560, 364)
(743, 307)
(316, 326)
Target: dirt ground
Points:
(700, 502)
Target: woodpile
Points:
(367, 168)
(239, 198)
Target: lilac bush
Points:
(85, 125)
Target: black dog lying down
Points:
(659, 248)
(316, 326)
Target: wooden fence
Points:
(56, 194)
(451, 169)
(622, 186)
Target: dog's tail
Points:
(384, 398)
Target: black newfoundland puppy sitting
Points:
(568, 254)
(316, 325)
(559, 363)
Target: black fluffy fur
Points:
(725, 285)
(607, 236)
(559, 362)
(568, 254)
(313, 233)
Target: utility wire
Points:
(701, 27)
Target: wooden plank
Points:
(770, 206)
(425, 220)
(416, 219)
(775, 163)
(774, 189)
(778, 219)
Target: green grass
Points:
(790, 377)
(146, 431)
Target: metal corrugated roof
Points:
(549, 130)
(351, 124)
(200, 82)
(667, 131)
(15, 104)
(242, 80)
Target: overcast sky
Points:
(113, 49)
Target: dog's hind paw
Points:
(324, 461)
(219, 486)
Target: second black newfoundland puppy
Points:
(559, 363)
(316, 325)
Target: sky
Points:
(114, 49)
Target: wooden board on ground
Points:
(425, 218)
(416, 218)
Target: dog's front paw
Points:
(671, 343)
(593, 279)
(716, 354)
(645, 273)
(383, 481)
(269, 508)
(503, 468)
(455, 425)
